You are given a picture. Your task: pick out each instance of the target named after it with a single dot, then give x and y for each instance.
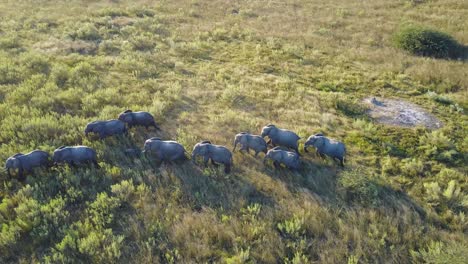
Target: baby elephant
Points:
(326, 146)
(75, 155)
(138, 119)
(249, 141)
(281, 137)
(26, 162)
(289, 159)
(106, 128)
(168, 151)
(214, 153)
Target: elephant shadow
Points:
(323, 181)
(211, 187)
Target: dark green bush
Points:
(359, 187)
(427, 42)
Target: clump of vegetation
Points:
(423, 41)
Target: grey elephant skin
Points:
(169, 151)
(248, 141)
(26, 162)
(138, 119)
(215, 153)
(75, 155)
(326, 146)
(281, 137)
(290, 159)
(106, 128)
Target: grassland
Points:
(208, 70)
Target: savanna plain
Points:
(208, 70)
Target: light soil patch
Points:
(58, 46)
(400, 113)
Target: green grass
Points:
(211, 69)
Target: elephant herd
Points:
(172, 151)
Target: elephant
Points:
(249, 141)
(279, 156)
(281, 137)
(215, 153)
(169, 151)
(106, 128)
(75, 155)
(138, 119)
(325, 146)
(133, 152)
(26, 162)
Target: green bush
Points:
(426, 42)
(359, 187)
(438, 252)
(87, 32)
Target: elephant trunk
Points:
(235, 145)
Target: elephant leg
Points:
(341, 161)
(214, 163)
(276, 164)
(227, 168)
(21, 174)
(205, 161)
(242, 149)
(156, 126)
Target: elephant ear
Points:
(20, 163)
(127, 111)
(320, 141)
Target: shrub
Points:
(142, 43)
(426, 42)
(438, 252)
(9, 73)
(87, 32)
(359, 187)
(11, 42)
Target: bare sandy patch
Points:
(400, 113)
(58, 46)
